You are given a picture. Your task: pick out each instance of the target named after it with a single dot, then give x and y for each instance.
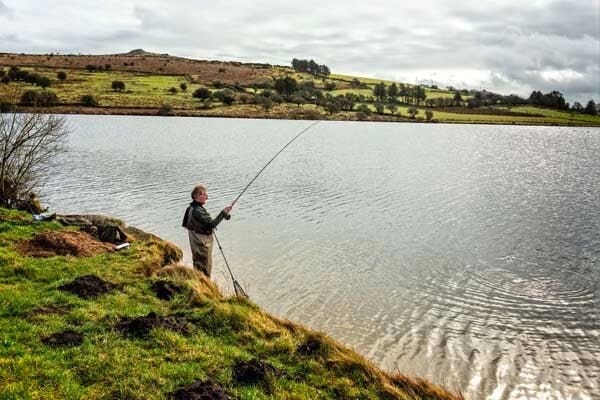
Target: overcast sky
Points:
(508, 46)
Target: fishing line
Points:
(236, 286)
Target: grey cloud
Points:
(557, 17)
(514, 42)
(4, 10)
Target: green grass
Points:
(557, 114)
(442, 116)
(141, 90)
(368, 81)
(110, 365)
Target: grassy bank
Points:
(58, 341)
(161, 84)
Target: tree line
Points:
(310, 66)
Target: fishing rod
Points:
(236, 286)
(271, 160)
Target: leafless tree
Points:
(28, 142)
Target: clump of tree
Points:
(486, 99)
(201, 93)
(43, 82)
(310, 66)
(29, 142)
(17, 74)
(183, 87)
(333, 106)
(364, 109)
(35, 98)
(380, 91)
(553, 99)
(355, 83)
(412, 112)
(264, 101)
(89, 101)
(286, 86)
(225, 96)
(117, 86)
(406, 94)
(590, 108)
(61, 75)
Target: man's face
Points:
(202, 197)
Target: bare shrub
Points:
(28, 142)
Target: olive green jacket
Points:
(200, 220)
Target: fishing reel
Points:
(227, 217)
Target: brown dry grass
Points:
(199, 282)
(62, 243)
(197, 70)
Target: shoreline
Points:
(186, 113)
(95, 321)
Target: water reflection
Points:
(465, 254)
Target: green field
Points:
(556, 114)
(141, 90)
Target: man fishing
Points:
(200, 227)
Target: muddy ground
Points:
(62, 243)
(88, 286)
(66, 338)
(202, 390)
(166, 290)
(140, 327)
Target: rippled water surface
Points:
(468, 255)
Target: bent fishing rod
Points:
(271, 160)
(236, 286)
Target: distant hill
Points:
(142, 52)
(170, 85)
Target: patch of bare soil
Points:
(62, 243)
(88, 286)
(166, 290)
(66, 338)
(206, 390)
(311, 347)
(140, 327)
(52, 309)
(253, 372)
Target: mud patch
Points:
(52, 309)
(62, 243)
(311, 346)
(166, 290)
(88, 286)
(140, 327)
(254, 372)
(68, 338)
(198, 390)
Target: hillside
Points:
(81, 321)
(161, 84)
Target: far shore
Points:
(147, 111)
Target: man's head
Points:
(200, 194)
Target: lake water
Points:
(465, 254)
